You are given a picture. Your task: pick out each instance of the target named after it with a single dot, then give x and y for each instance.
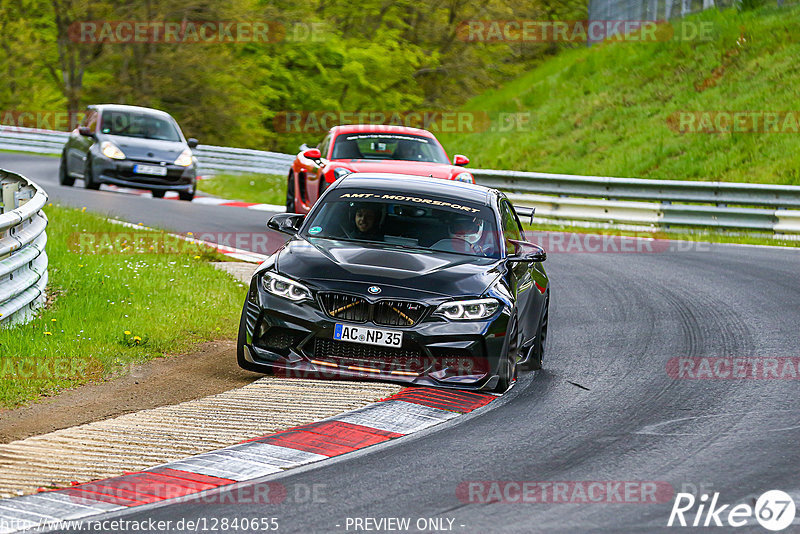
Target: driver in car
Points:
(367, 220)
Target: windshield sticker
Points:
(417, 200)
(315, 230)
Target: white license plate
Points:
(370, 336)
(150, 169)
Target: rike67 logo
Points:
(774, 510)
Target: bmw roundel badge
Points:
(374, 290)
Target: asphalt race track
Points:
(171, 215)
(604, 409)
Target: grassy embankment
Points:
(110, 310)
(613, 109)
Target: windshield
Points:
(142, 125)
(388, 146)
(425, 223)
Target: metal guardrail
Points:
(678, 203)
(23, 260)
(221, 158)
(589, 199)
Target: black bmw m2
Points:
(404, 279)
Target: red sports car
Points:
(368, 148)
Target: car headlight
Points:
(110, 150)
(468, 310)
(280, 286)
(185, 159)
(464, 177)
(341, 172)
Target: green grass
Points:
(604, 110)
(259, 188)
(167, 303)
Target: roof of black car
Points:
(404, 183)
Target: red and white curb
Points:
(409, 411)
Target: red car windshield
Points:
(388, 146)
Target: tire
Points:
(88, 175)
(64, 178)
(188, 196)
(534, 363)
(509, 371)
(158, 194)
(290, 205)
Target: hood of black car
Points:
(431, 272)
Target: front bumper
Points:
(120, 172)
(296, 340)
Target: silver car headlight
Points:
(185, 158)
(464, 177)
(110, 150)
(284, 287)
(468, 310)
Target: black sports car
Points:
(400, 278)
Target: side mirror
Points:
(85, 131)
(527, 252)
(288, 223)
(192, 142)
(313, 154)
(460, 160)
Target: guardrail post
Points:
(9, 196)
(23, 259)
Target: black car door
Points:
(520, 279)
